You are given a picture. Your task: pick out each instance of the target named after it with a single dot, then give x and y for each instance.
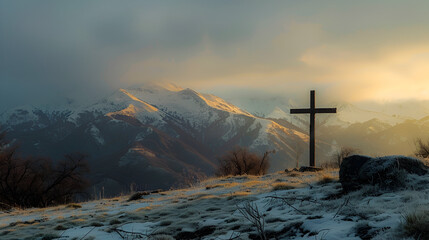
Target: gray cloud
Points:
(81, 49)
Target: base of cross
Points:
(305, 169)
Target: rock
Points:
(349, 171)
(310, 169)
(388, 172)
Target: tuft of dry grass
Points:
(250, 184)
(137, 196)
(208, 187)
(146, 208)
(417, 224)
(222, 185)
(114, 222)
(60, 228)
(162, 237)
(74, 206)
(234, 195)
(324, 179)
(425, 161)
(78, 220)
(282, 186)
(294, 174)
(96, 224)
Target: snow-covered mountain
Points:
(153, 136)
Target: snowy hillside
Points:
(291, 206)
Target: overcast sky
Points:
(348, 50)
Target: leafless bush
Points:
(422, 148)
(251, 213)
(240, 161)
(337, 158)
(31, 182)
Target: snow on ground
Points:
(292, 205)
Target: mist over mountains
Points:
(374, 128)
(161, 136)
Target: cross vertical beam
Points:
(312, 129)
(312, 111)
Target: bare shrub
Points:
(240, 161)
(338, 157)
(422, 148)
(251, 213)
(31, 182)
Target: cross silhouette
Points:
(312, 111)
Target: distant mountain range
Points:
(159, 136)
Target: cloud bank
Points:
(350, 51)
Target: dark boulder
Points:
(349, 171)
(388, 172)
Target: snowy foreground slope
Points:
(293, 206)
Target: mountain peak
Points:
(157, 86)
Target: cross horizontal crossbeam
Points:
(316, 110)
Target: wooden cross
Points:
(312, 110)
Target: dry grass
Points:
(326, 178)
(206, 196)
(114, 222)
(233, 195)
(208, 187)
(137, 196)
(162, 237)
(253, 183)
(143, 209)
(60, 228)
(283, 186)
(294, 174)
(417, 225)
(74, 205)
(222, 185)
(425, 161)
